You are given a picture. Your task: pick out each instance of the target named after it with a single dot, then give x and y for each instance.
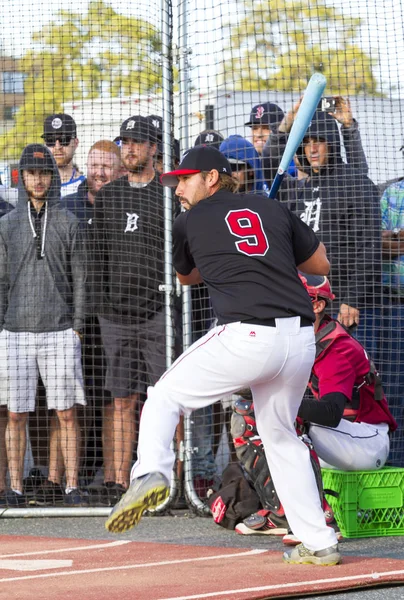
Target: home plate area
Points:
(98, 570)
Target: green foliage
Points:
(81, 57)
(278, 44)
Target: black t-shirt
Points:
(128, 245)
(246, 248)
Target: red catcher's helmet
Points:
(317, 286)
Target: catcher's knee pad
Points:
(242, 425)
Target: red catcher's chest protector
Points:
(371, 382)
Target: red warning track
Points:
(98, 570)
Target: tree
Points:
(83, 56)
(278, 44)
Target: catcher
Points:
(347, 417)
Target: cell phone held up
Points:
(328, 104)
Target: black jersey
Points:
(128, 234)
(246, 249)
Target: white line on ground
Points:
(139, 566)
(297, 584)
(73, 549)
(34, 565)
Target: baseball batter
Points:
(247, 251)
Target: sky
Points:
(381, 34)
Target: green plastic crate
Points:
(369, 503)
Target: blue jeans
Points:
(203, 461)
(381, 332)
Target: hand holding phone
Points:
(328, 104)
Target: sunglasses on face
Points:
(64, 140)
(236, 167)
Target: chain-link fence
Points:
(103, 97)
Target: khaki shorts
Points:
(55, 355)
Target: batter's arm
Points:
(192, 278)
(317, 264)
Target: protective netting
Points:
(91, 311)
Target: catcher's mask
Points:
(317, 286)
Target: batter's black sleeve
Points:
(182, 257)
(327, 411)
(305, 241)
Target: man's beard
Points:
(40, 197)
(138, 168)
(62, 161)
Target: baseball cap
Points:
(209, 137)
(267, 113)
(157, 122)
(317, 286)
(138, 128)
(196, 160)
(59, 124)
(36, 156)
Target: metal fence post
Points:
(184, 52)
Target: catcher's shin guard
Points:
(250, 453)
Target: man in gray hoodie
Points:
(42, 307)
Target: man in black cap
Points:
(60, 135)
(264, 119)
(209, 137)
(247, 252)
(42, 309)
(128, 234)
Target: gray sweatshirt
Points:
(42, 273)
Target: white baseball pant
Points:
(351, 446)
(276, 363)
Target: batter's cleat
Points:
(292, 540)
(263, 523)
(144, 493)
(300, 555)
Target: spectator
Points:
(103, 166)
(348, 420)
(264, 120)
(42, 303)
(129, 259)
(342, 207)
(209, 137)
(391, 329)
(245, 164)
(60, 136)
(276, 141)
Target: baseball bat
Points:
(307, 108)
